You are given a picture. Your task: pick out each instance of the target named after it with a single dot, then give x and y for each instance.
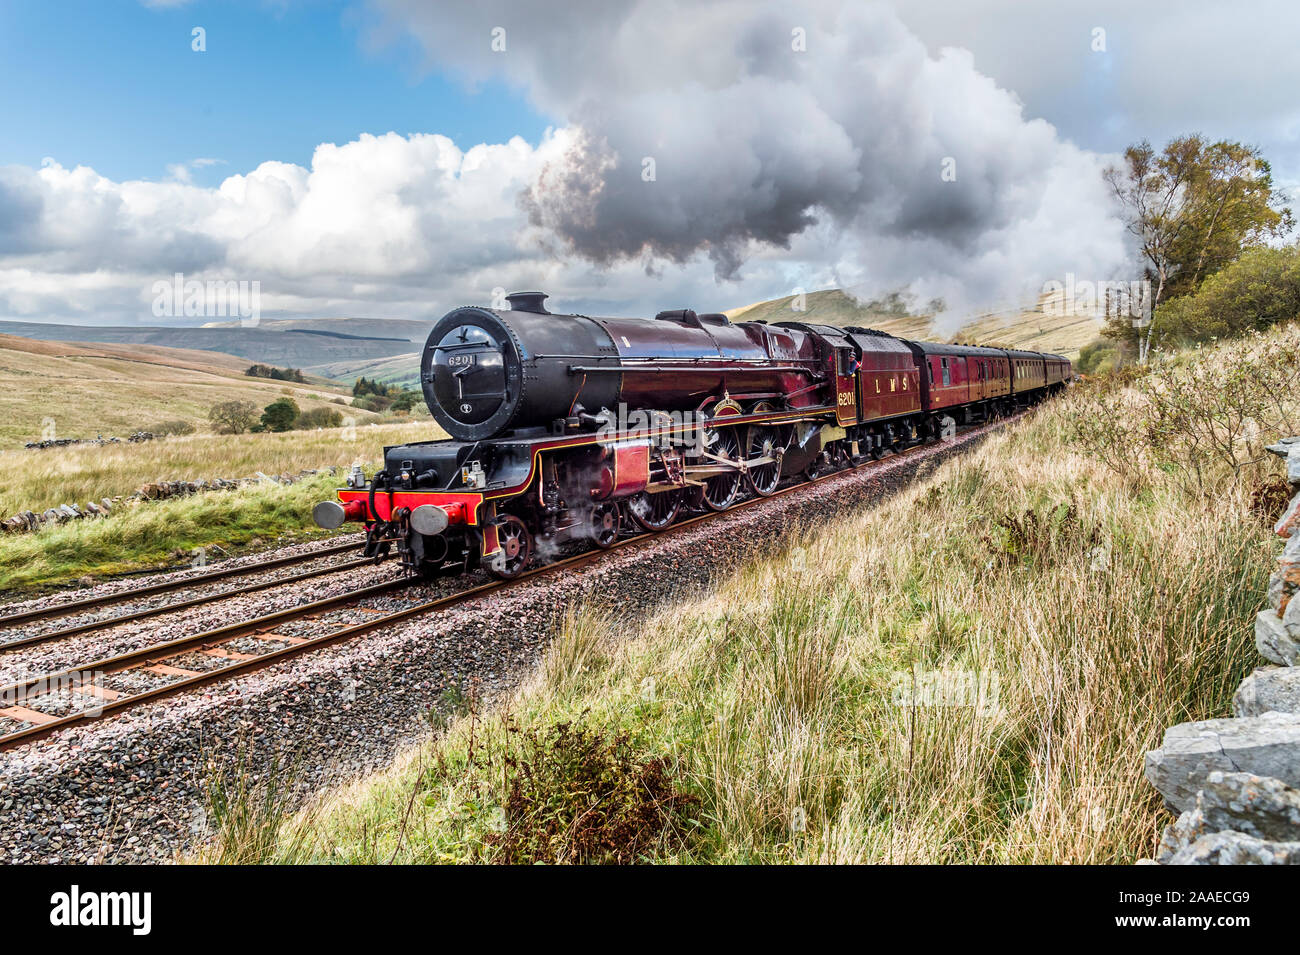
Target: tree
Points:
(406, 400)
(1193, 208)
(232, 417)
(280, 415)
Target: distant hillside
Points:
(1033, 329)
(80, 390)
(297, 344)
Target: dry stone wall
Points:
(1236, 781)
(158, 490)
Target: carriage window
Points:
(947, 375)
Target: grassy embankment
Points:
(150, 533)
(1087, 578)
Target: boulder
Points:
(1236, 848)
(1293, 464)
(1265, 745)
(1268, 690)
(1272, 638)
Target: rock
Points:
(1189, 827)
(1272, 638)
(1293, 464)
(1290, 520)
(1265, 745)
(1268, 690)
(1257, 806)
(1282, 586)
(1235, 848)
(1283, 446)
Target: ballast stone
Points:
(1265, 745)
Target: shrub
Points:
(1203, 416)
(280, 415)
(575, 795)
(232, 417)
(1098, 358)
(374, 403)
(314, 418)
(1260, 289)
(177, 426)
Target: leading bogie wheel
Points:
(516, 549)
(604, 523)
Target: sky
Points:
(393, 158)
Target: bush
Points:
(280, 415)
(574, 794)
(1099, 358)
(1260, 289)
(406, 401)
(1202, 417)
(314, 418)
(177, 426)
(375, 403)
(232, 417)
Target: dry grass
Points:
(969, 674)
(41, 479)
(157, 533)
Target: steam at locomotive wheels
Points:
(566, 428)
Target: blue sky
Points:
(120, 88)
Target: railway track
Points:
(39, 706)
(75, 608)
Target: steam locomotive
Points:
(570, 428)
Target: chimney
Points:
(528, 302)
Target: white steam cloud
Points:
(769, 123)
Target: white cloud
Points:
(774, 169)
